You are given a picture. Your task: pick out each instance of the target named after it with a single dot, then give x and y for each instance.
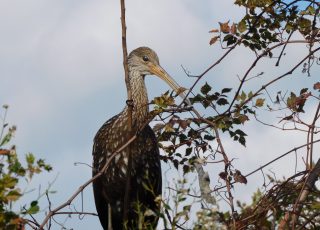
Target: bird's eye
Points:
(145, 58)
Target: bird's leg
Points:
(109, 218)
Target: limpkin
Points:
(145, 171)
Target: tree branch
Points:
(129, 104)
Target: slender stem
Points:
(270, 162)
(83, 186)
(124, 48)
(276, 79)
(129, 104)
(312, 127)
(3, 121)
(226, 170)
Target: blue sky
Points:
(61, 73)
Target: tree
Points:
(268, 29)
(193, 137)
(13, 172)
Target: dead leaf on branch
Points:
(287, 118)
(214, 31)
(224, 27)
(158, 127)
(238, 177)
(223, 175)
(233, 28)
(316, 86)
(213, 40)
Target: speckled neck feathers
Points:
(140, 63)
(139, 97)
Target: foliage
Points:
(269, 209)
(12, 171)
(192, 134)
(191, 139)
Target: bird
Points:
(145, 168)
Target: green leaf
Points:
(166, 206)
(226, 90)
(222, 101)
(41, 164)
(231, 40)
(188, 151)
(6, 139)
(242, 140)
(34, 203)
(198, 98)
(316, 205)
(240, 132)
(176, 164)
(242, 26)
(34, 208)
(8, 181)
(209, 137)
(291, 101)
(205, 89)
(304, 25)
(186, 169)
(304, 90)
(242, 97)
(243, 118)
(30, 158)
(309, 11)
(187, 208)
(13, 195)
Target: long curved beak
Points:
(160, 72)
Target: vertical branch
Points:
(226, 170)
(129, 104)
(124, 50)
(226, 162)
(4, 120)
(311, 131)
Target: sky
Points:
(61, 74)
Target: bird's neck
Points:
(139, 98)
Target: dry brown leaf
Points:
(316, 85)
(213, 40)
(184, 124)
(4, 152)
(233, 29)
(224, 27)
(223, 175)
(214, 31)
(238, 177)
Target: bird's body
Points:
(110, 188)
(145, 169)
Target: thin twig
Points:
(83, 186)
(270, 162)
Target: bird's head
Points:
(146, 62)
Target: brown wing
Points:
(99, 159)
(109, 189)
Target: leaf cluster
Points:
(12, 171)
(267, 22)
